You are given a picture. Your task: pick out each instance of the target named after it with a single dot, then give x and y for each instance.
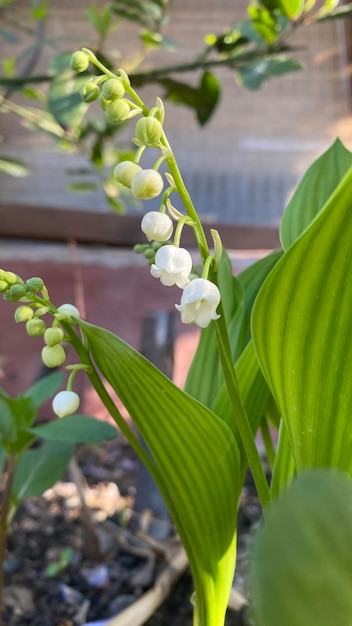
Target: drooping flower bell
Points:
(65, 403)
(147, 184)
(157, 226)
(199, 302)
(173, 266)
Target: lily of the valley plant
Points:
(274, 353)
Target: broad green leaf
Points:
(40, 468)
(314, 190)
(202, 98)
(44, 388)
(75, 429)
(301, 566)
(200, 488)
(64, 99)
(301, 326)
(254, 73)
(13, 167)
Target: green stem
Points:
(243, 423)
(94, 378)
(5, 507)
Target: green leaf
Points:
(40, 468)
(44, 388)
(65, 101)
(338, 13)
(13, 167)
(314, 190)
(254, 73)
(203, 99)
(301, 323)
(291, 8)
(264, 23)
(76, 429)
(302, 567)
(200, 489)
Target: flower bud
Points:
(79, 61)
(24, 313)
(146, 184)
(157, 226)
(65, 403)
(35, 327)
(4, 286)
(90, 92)
(17, 292)
(117, 111)
(34, 284)
(124, 172)
(113, 89)
(53, 356)
(67, 312)
(11, 278)
(148, 130)
(53, 336)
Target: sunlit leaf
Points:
(64, 99)
(301, 326)
(315, 188)
(302, 566)
(200, 489)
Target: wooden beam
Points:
(54, 224)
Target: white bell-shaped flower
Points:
(146, 184)
(157, 226)
(65, 403)
(199, 302)
(173, 266)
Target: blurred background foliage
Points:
(253, 50)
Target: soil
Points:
(58, 572)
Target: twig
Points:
(139, 612)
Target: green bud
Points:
(41, 311)
(148, 130)
(35, 327)
(24, 313)
(53, 356)
(34, 284)
(146, 184)
(17, 292)
(90, 92)
(117, 111)
(113, 89)
(53, 336)
(124, 172)
(79, 61)
(4, 286)
(11, 278)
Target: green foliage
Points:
(201, 490)
(254, 73)
(14, 167)
(301, 567)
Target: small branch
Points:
(139, 612)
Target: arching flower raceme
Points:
(173, 266)
(157, 226)
(199, 302)
(65, 403)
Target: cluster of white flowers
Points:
(173, 266)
